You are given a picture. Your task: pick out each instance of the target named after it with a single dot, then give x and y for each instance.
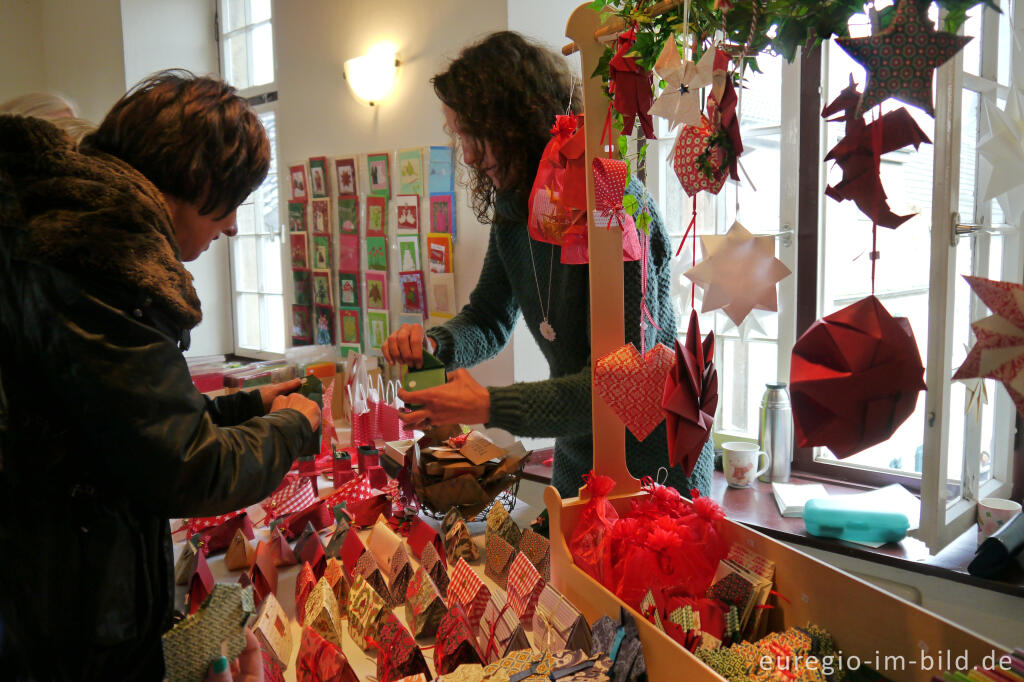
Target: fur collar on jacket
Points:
(90, 214)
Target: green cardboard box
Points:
(431, 374)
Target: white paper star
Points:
(680, 101)
(1001, 149)
(739, 273)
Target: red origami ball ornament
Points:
(854, 378)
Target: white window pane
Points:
(245, 218)
(232, 14)
(259, 10)
(236, 54)
(262, 55)
(1006, 46)
(972, 51)
(968, 154)
(275, 330)
(269, 121)
(270, 265)
(247, 311)
(743, 371)
(245, 264)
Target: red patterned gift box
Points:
(468, 590)
(524, 587)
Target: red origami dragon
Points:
(857, 156)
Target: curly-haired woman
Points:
(500, 98)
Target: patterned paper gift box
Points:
(365, 607)
(538, 550)
(433, 563)
(455, 642)
(524, 588)
(304, 584)
(263, 574)
(322, 613)
(424, 607)
(217, 628)
(336, 578)
(458, 543)
(557, 625)
(398, 655)
(500, 631)
(320, 661)
(468, 590)
(370, 570)
(389, 551)
(272, 629)
(422, 534)
(310, 550)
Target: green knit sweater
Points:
(560, 406)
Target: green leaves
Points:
(623, 144)
(630, 203)
(643, 221)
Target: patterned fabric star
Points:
(900, 59)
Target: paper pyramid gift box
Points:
(318, 515)
(424, 607)
(240, 553)
(538, 550)
(532, 666)
(458, 543)
(185, 565)
(351, 549)
(309, 549)
(200, 584)
(499, 559)
(322, 613)
(524, 587)
(365, 607)
(398, 655)
(342, 525)
(304, 584)
(468, 590)
(430, 375)
(280, 550)
(433, 564)
(336, 578)
(217, 628)
(387, 548)
(320, 661)
(263, 574)
(273, 671)
(272, 629)
(629, 665)
(422, 533)
(217, 539)
(557, 625)
(370, 570)
(525, 665)
(455, 642)
(293, 495)
(500, 631)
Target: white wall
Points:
(150, 46)
(21, 48)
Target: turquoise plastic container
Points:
(830, 517)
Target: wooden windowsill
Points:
(756, 508)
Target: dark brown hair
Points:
(507, 91)
(191, 136)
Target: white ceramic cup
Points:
(993, 513)
(739, 462)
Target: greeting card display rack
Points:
(865, 621)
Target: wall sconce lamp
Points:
(372, 76)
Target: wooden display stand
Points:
(866, 622)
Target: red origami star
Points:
(691, 397)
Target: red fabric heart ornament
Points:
(690, 144)
(632, 385)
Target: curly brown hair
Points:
(506, 90)
(192, 136)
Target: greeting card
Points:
(408, 252)
(348, 289)
(348, 253)
(442, 218)
(407, 212)
(439, 247)
(318, 177)
(442, 177)
(376, 215)
(321, 288)
(350, 325)
(377, 253)
(302, 330)
(376, 290)
(414, 295)
(378, 328)
(410, 171)
(321, 251)
(348, 215)
(300, 255)
(442, 294)
(378, 168)
(345, 174)
(303, 287)
(324, 325)
(296, 216)
(298, 177)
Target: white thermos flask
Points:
(775, 433)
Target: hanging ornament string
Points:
(876, 152)
(645, 312)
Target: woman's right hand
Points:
(405, 346)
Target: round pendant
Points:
(547, 331)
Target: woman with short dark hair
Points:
(103, 436)
(500, 98)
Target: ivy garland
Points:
(774, 26)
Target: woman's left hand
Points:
(268, 393)
(461, 401)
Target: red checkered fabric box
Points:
(467, 589)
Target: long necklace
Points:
(546, 330)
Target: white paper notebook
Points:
(791, 497)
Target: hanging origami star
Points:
(738, 273)
(901, 58)
(691, 397)
(679, 102)
(999, 351)
(1002, 151)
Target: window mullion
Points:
(941, 522)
